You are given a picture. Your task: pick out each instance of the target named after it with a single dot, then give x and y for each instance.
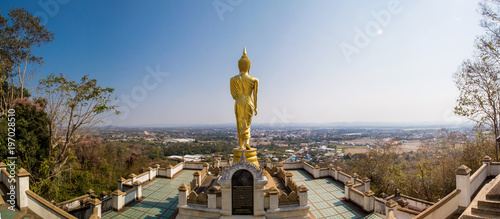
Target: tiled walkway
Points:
(325, 198)
(161, 199)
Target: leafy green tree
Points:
(18, 63)
(31, 135)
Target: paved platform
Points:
(161, 197)
(326, 198)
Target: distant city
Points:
(314, 145)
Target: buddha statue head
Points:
(244, 63)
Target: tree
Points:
(477, 79)
(73, 110)
(18, 64)
(31, 135)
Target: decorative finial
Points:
(244, 50)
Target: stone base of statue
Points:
(250, 155)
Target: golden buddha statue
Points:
(242, 88)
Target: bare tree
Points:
(478, 79)
(73, 109)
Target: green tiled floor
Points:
(325, 198)
(160, 199)
(6, 213)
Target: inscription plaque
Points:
(242, 193)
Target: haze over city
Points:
(331, 61)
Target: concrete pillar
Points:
(288, 176)
(316, 172)
(369, 201)
(150, 170)
(273, 198)
(183, 195)
(354, 177)
(138, 185)
(157, 167)
(169, 171)
(258, 197)
(197, 177)
(90, 192)
(463, 183)
(331, 170)
(212, 197)
(22, 184)
(103, 195)
(118, 198)
(366, 181)
(487, 160)
(391, 205)
(132, 178)
(226, 197)
(337, 173)
(96, 204)
(268, 163)
(120, 183)
(303, 195)
(347, 189)
(217, 162)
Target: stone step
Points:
(487, 211)
(471, 217)
(494, 193)
(488, 204)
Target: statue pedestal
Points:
(250, 155)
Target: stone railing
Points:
(200, 199)
(44, 208)
(357, 197)
(290, 199)
(379, 205)
(193, 165)
(443, 208)
(130, 195)
(73, 203)
(170, 171)
(477, 179)
(143, 177)
(215, 171)
(120, 199)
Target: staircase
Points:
(486, 206)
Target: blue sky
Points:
(401, 72)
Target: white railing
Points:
(309, 168)
(324, 172)
(478, 178)
(193, 165)
(379, 206)
(343, 177)
(130, 195)
(45, 209)
(357, 197)
(177, 168)
(143, 177)
(442, 209)
(5, 178)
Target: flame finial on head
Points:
(244, 63)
